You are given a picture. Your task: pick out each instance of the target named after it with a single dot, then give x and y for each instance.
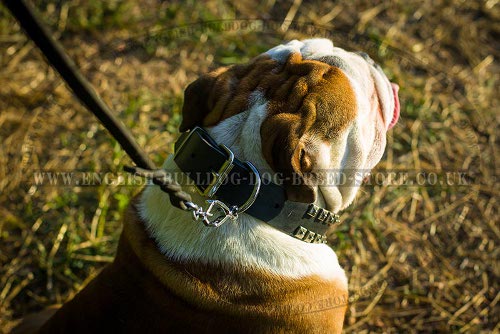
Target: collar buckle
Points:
(216, 207)
(225, 212)
(218, 177)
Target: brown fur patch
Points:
(144, 291)
(304, 96)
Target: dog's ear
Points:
(223, 92)
(308, 99)
(285, 151)
(199, 98)
(302, 189)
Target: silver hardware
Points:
(308, 236)
(224, 212)
(217, 177)
(312, 210)
(322, 214)
(218, 208)
(220, 176)
(332, 219)
(300, 232)
(319, 239)
(256, 188)
(197, 211)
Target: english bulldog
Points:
(259, 264)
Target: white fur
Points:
(246, 243)
(281, 52)
(316, 47)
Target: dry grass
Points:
(419, 258)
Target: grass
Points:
(420, 258)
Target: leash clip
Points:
(223, 213)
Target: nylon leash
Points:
(30, 22)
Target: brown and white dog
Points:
(301, 107)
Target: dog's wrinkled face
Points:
(323, 114)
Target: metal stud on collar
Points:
(309, 236)
(322, 215)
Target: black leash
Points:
(59, 60)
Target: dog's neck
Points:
(246, 243)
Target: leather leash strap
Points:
(59, 60)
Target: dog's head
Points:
(313, 112)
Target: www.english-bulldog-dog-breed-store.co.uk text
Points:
(297, 110)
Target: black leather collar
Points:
(203, 160)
